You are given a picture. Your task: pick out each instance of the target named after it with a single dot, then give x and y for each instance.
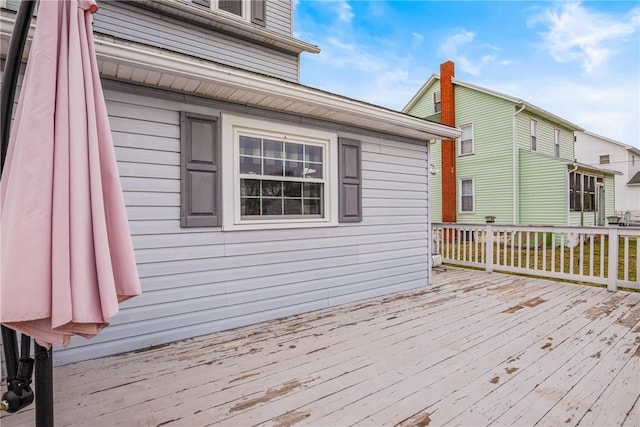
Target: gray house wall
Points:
(202, 280)
(134, 23)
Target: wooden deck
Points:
(474, 349)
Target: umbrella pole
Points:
(44, 366)
(44, 386)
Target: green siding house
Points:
(514, 161)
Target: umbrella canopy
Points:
(66, 257)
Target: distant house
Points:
(250, 196)
(514, 161)
(606, 153)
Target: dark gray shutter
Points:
(205, 3)
(350, 180)
(199, 165)
(258, 12)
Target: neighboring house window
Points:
(604, 159)
(534, 132)
(466, 195)
(437, 105)
(199, 171)
(556, 140)
(466, 140)
(582, 192)
(253, 10)
(286, 176)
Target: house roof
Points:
(591, 168)
(628, 147)
(146, 65)
(528, 106)
(635, 179)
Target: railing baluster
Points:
(571, 257)
(553, 252)
(581, 260)
(526, 258)
(625, 259)
(591, 249)
(535, 251)
(603, 238)
(544, 251)
(562, 239)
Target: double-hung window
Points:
(437, 104)
(281, 175)
(466, 140)
(534, 135)
(466, 195)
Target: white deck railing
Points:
(572, 253)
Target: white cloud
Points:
(469, 55)
(417, 39)
(345, 13)
(574, 33)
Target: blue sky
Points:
(578, 60)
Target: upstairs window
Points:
(249, 10)
(556, 140)
(604, 159)
(437, 104)
(534, 133)
(466, 140)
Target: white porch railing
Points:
(572, 253)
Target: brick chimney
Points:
(448, 117)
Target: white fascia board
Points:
(153, 59)
(420, 92)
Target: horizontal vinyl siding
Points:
(543, 190)
(202, 280)
(424, 106)
(491, 164)
(279, 17)
(144, 26)
(545, 136)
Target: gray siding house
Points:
(250, 196)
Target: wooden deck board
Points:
(473, 349)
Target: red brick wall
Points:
(448, 117)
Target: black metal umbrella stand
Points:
(20, 364)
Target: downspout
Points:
(569, 172)
(513, 158)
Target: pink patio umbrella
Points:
(66, 257)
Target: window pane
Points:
(249, 206)
(250, 165)
(466, 132)
(312, 170)
(272, 149)
(250, 146)
(313, 154)
(312, 207)
(292, 189)
(293, 151)
(467, 187)
(271, 188)
(231, 6)
(293, 169)
(292, 207)
(273, 167)
(312, 190)
(466, 147)
(467, 203)
(271, 206)
(249, 187)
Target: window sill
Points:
(277, 225)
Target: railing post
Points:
(489, 248)
(612, 271)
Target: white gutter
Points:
(513, 158)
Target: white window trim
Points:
(437, 99)
(533, 133)
(473, 195)
(557, 135)
(473, 141)
(232, 127)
